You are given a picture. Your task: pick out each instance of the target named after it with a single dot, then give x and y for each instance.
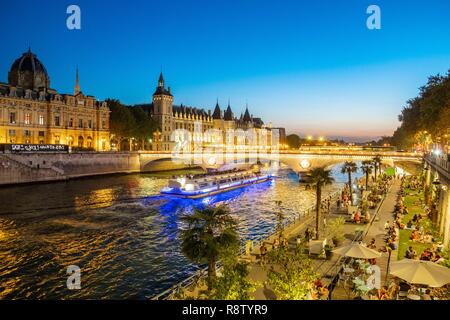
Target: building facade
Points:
(202, 127)
(32, 112)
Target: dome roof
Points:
(28, 72)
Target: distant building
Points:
(32, 112)
(281, 133)
(197, 121)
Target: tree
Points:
(319, 177)
(428, 112)
(366, 167)
(293, 141)
(234, 283)
(295, 275)
(209, 232)
(122, 122)
(349, 167)
(144, 126)
(376, 161)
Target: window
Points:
(80, 123)
(27, 133)
(57, 122)
(41, 133)
(27, 118)
(41, 120)
(103, 124)
(12, 117)
(12, 132)
(71, 122)
(90, 124)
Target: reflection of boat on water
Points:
(208, 184)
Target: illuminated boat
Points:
(208, 184)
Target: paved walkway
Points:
(376, 231)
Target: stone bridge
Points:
(299, 161)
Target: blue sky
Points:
(310, 66)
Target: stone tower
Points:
(162, 110)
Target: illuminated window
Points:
(41, 120)
(27, 118)
(12, 117)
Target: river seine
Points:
(121, 233)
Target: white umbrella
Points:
(421, 272)
(356, 250)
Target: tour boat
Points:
(208, 184)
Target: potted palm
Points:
(328, 252)
(335, 230)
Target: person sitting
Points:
(415, 235)
(438, 259)
(410, 224)
(426, 255)
(427, 295)
(392, 245)
(372, 245)
(357, 217)
(367, 216)
(410, 253)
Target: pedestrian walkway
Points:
(376, 231)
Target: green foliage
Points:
(130, 122)
(294, 276)
(122, 122)
(293, 141)
(426, 116)
(209, 233)
(335, 229)
(233, 283)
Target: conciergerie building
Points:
(205, 127)
(32, 112)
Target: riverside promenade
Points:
(326, 268)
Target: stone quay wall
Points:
(41, 167)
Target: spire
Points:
(217, 114)
(247, 117)
(76, 90)
(161, 80)
(228, 115)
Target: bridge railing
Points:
(440, 163)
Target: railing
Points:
(440, 163)
(258, 241)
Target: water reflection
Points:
(119, 231)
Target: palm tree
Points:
(349, 167)
(366, 167)
(376, 164)
(209, 233)
(319, 177)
